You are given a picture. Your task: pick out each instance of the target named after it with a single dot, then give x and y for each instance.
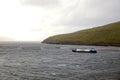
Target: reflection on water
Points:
(35, 61)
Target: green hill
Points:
(102, 35)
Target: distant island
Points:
(107, 35)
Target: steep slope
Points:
(102, 35)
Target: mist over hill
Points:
(102, 35)
(6, 38)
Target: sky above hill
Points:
(35, 20)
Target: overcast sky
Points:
(35, 20)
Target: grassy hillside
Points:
(102, 35)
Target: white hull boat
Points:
(84, 50)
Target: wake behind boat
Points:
(84, 50)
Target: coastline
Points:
(90, 44)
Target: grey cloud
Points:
(92, 13)
(43, 3)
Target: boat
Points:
(84, 50)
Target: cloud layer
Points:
(92, 13)
(64, 16)
(82, 12)
(43, 3)
(39, 19)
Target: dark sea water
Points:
(36, 61)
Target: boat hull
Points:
(84, 51)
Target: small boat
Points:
(84, 50)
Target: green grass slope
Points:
(102, 35)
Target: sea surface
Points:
(36, 61)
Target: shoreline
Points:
(114, 45)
